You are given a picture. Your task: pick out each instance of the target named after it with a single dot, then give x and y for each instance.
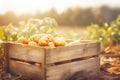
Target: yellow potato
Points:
(22, 40)
(59, 41)
(32, 43)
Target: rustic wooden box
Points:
(44, 63)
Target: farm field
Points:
(110, 61)
(48, 32)
(78, 31)
(59, 40)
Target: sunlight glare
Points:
(31, 6)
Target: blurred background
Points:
(66, 12)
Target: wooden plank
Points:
(64, 71)
(85, 41)
(24, 52)
(72, 52)
(44, 65)
(6, 64)
(26, 70)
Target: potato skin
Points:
(22, 40)
(32, 43)
(59, 41)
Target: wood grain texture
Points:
(72, 52)
(64, 71)
(26, 70)
(47, 56)
(6, 52)
(28, 53)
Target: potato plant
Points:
(108, 34)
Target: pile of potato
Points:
(44, 40)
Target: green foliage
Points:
(33, 26)
(107, 34)
(36, 26)
(10, 33)
(1, 33)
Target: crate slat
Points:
(28, 53)
(6, 52)
(61, 72)
(26, 70)
(72, 52)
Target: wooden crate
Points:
(44, 63)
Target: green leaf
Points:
(1, 33)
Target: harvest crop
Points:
(44, 40)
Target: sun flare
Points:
(31, 6)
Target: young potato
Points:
(59, 41)
(32, 43)
(49, 37)
(51, 44)
(45, 40)
(36, 37)
(22, 40)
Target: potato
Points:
(43, 42)
(35, 37)
(59, 41)
(22, 40)
(32, 43)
